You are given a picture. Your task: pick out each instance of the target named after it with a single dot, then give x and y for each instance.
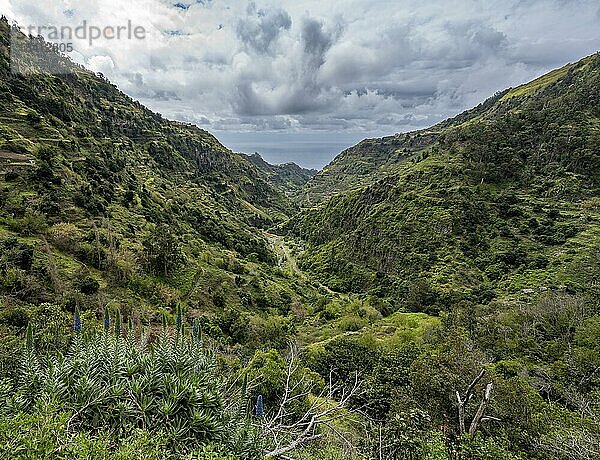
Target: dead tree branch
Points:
(289, 431)
(481, 410)
(464, 399)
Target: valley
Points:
(164, 297)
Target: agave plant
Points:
(118, 382)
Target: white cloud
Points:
(370, 66)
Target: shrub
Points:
(119, 384)
(15, 254)
(89, 285)
(31, 224)
(268, 371)
(269, 332)
(352, 323)
(163, 251)
(332, 311)
(42, 434)
(65, 237)
(485, 449)
(122, 266)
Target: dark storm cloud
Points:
(316, 40)
(309, 93)
(411, 68)
(304, 93)
(260, 29)
(247, 101)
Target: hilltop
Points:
(288, 177)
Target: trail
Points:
(284, 254)
(286, 258)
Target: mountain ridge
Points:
(360, 164)
(290, 177)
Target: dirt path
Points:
(284, 254)
(286, 258)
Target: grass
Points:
(402, 327)
(538, 84)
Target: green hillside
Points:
(288, 177)
(489, 223)
(504, 196)
(104, 202)
(372, 159)
(363, 164)
(430, 295)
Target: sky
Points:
(300, 80)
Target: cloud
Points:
(305, 65)
(260, 29)
(316, 41)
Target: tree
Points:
(290, 429)
(163, 251)
(466, 398)
(46, 163)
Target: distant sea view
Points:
(309, 150)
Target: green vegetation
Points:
(490, 223)
(459, 260)
(490, 208)
(133, 211)
(111, 389)
(362, 164)
(288, 177)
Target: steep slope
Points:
(105, 205)
(372, 159)
(500, 200)
(288, 177)
(363, 164)
(103, 201)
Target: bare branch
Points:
(466, 398)
(289, 432)
(481, 410)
